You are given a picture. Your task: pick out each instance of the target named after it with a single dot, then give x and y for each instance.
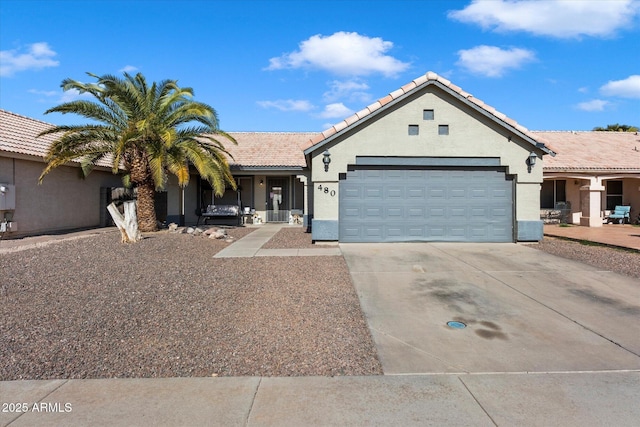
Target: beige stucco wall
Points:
(63, 201)
(182, 201)
(631, 196)
(576, 189)
(470, 135)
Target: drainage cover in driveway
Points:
(456, 325)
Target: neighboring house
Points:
(428, 162)
(262, 163)
(63, 201)
(593, 172)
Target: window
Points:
(414, 129)
(443, 129)
(552, 192)
(614, 194)
(427, 114)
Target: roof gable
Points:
(410, 88)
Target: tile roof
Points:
(576, 151)
(18, 134)
(591, 151)
(428, 78)
(267, 149)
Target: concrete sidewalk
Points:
(251, 245)
(620, 235)
(523, 399)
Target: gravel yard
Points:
(618, 260)
(291, 238)
(96, 308)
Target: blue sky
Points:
(295, 65)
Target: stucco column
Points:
(590, 197)
(305, 197)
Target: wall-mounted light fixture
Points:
(3, 188)
(326, 159)
(262, 182)
(531, 160)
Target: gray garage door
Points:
(426, 205)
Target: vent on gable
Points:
(414, 130)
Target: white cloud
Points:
(62, 96)
(342, 53)
(36, 56)
(593, 105)
(47, 93)
(336, 111)
(352, 90)
(287, 105)
(555, 18)
(74, 95)
(491, 61)
(128, 69)
(627, 88)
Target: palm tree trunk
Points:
(146, 207)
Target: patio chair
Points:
(620, 214)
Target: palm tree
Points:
(617, 128)
(149, 131)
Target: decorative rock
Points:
(173, 226)
(197, 231)
(190, 230)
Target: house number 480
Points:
(326, 190)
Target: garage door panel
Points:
(351, 193)
(416, 193)
(374, 231)
(372, 193)
(415, 231)
(394, 192)
(373, 213)
(478, 213)
(394, 231)
(394, 213)
(436, 193)
(352, 213)
(371, 174)
(426, 205)
(399, 175)
(500, 194)
(458, 193)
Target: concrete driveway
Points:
(525, 310)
